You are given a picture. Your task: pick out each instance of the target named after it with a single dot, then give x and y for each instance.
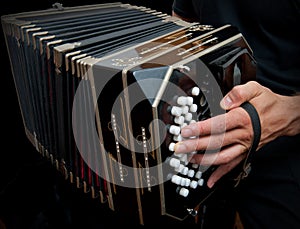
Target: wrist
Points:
(292, 113)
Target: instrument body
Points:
(105, 102)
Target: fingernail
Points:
(190, 130)
(186, 132)
(210, 184)
(180, 148)
(226, 102)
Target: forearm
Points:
(279, 115)
(290, 115)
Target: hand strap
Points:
(257, 133)
(255, 124)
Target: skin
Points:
(279, 116)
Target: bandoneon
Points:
(105, 89)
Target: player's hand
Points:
(227, 138)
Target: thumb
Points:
(240, 94)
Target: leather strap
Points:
(257, 134)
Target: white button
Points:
(176, 179)
(177, 138)
(185, 109)
(171, 146)
(188, 117)
(195, 91)
(198, 174)
(174, 162)
(187, 182)
(189, 100)
(182, 100)
(184, 171)
(183, 125)
(179, 168)
(179, 154)
(174, 130)
(184, 159)
(179, 120)
(192, 121)
(183, 182)
(191, 173)
(201, 182)
(193, 108)
(195, 165)
(184, 192)
(176, 111)
(194, 184)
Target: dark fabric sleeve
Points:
(184, 8)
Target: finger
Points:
(215, 142)
(241, 134)
(240, 94)
(197, 144)
(218, 158)
(209, 126)
(223, 169)
(217, 125)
